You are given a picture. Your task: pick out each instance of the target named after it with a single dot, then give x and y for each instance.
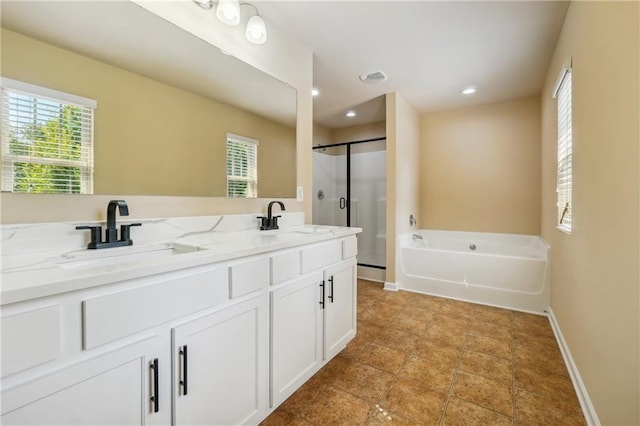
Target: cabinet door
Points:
(296, 336)
(340, 307)
(221, 366)
(113, 388)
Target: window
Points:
(563, 93)
(47, 140)
(242, 167)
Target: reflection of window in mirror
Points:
(47, 140)
(242, 167)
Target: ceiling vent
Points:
(373, 77)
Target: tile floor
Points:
(425, 360)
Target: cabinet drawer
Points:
(110, 317)
(284, 266)
(349, 248)
(248, 276)
(321, 255)
(30, 338)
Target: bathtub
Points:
(505, 270)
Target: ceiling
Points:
(430, 50)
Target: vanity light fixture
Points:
(469, 91)
(350, 114)
(315, 92)
(228, 12)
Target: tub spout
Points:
(416, 237)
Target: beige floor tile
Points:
(462, 413)
(439, 335)
(304, 396)
(382, 357)
(484, 392)
(336, 407)
(491, 367)
(381, 417)
(435, 376)
(416, 355)
(540, 360)
(494, 316)
(333, 369)
(453, 322)
(489, 346)
(440, 354)
(364, 382)
(457, 308)
(408, 324)
(534, 409)
(282, 417)
(414, 401)
(495, 331)
(396, 339)
(544, 383)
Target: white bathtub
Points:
(505, 270)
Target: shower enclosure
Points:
(349, 189)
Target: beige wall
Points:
(360, 132)
(280, 57)
(403, 142)
(595, 281)
(480, 168)
(152, 138)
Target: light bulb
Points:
(256, 30)
(228, 12)
(469, 91)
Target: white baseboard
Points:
(372, 274)
(588, 410)
(391, 286)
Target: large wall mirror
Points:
(166, 100)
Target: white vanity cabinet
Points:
(313, 317)
(111, 388)
(216, 343)
(220, 366)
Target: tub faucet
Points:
(270, 222)
(416, 237)
(111, 233)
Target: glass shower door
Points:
(368, 201)
(330, 186)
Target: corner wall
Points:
(595, 277)
(480, 168)
(403, 142)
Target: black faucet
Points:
(111, 233)
(270, 222)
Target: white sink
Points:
(120, 255)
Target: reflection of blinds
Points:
(242, 167)
(47, 140)
(564, 182)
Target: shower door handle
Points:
(343, 203)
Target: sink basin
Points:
(121, 255)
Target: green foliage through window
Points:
(46, 145)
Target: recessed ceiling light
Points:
(469, 91)
(350, 114)
(315, 92)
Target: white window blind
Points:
(47, 140)
(242, 167)
(565, 142)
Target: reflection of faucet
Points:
(111, 233)
(270, 222)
